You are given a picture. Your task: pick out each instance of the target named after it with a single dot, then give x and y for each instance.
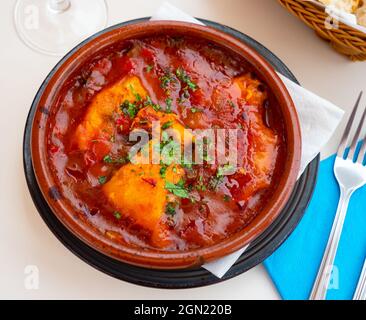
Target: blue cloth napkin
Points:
(293, 267)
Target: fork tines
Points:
(353, 155)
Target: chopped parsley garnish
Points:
(129, 108)
(194, 110)
(215, 181)
(169, 149)
(227, 198)
(166, 79)
(117, 215)
(170, 209)
(204, 148)
(232, 104)
(137, 95)
(219, 177)
(168, 102)
(121, 160)
(183, 77)
(108, 159)
(156, 107)
(167, 125)
(177, 189)
(225, 170)
(201, 187)
(186, 163)
(102, 179)
(148, 102)
(149, 67)
(163, 170)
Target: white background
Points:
(25, 239)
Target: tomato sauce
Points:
(205, 87)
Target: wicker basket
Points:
(345, 39)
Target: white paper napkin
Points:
(318, 120)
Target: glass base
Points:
(56, 32)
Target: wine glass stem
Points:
(59, 5)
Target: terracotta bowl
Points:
(149, 258)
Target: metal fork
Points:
(360, 293)
(351, 175)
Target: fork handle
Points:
(360, 293)
(320, 287)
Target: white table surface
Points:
(24, 237)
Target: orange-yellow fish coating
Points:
(99, 117)
(263, 140)
(146, 116)
(138, 191)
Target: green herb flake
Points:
(166, 79)
(102, 179)
(201, 187)
(187, 164)
(163, 170)
(177, 189)
(194, 110)
(108, 159)
(117, 215)
(227, 198)
(149, 67)
(167, 125)
(224, 170)
(122, 160)
(168, 102)
(232, 104)
(148, 101)
(129, 108)
(215, 181)
(156, 107)
(137, 95)
(170, 209)
(183, 77)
